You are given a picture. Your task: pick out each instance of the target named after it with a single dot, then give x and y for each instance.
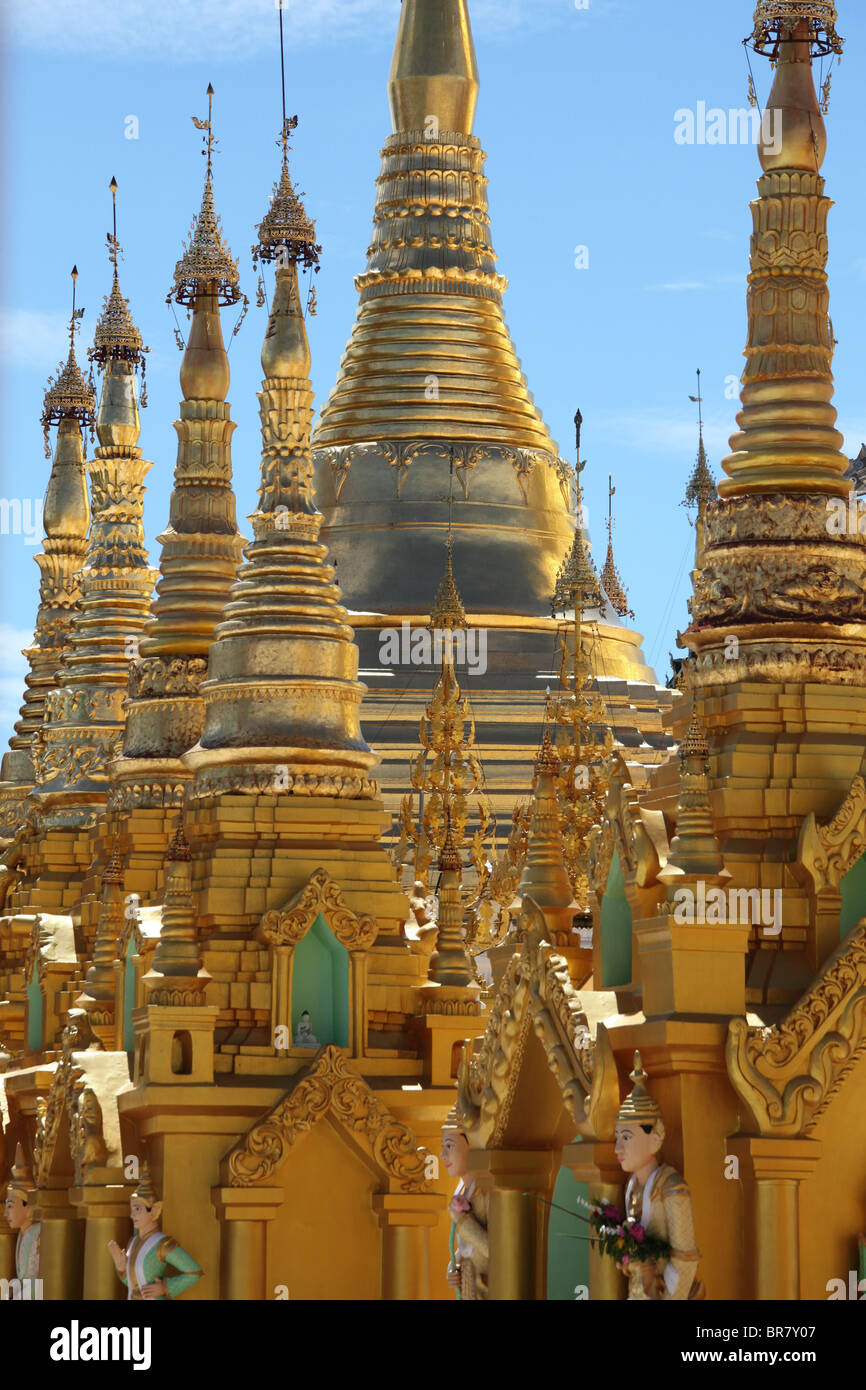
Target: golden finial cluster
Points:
(69, 395)
(116, 335)
(207, 264)
(701, 487)
(447, 613)
(114, 868)
(286, 234)
(775, 20)
(577, 585)
(613, 585)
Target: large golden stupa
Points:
(220, 1012)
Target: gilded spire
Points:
(201, 546)
(611, 582)
(84, 717)
(98, 998)
(68, 396)
(207, 265)
(433, 71)
(178, 954)
(282, 690)
(545, 877)
(69, 403)
(577, 586)
(787, 441)
(450, 964)
(694, 851)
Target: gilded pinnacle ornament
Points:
(282, 689)
(207, 265)
(85, 716)
(69, 403)
(201, 546)
(545, 878)
(68, 395)
(611, 582)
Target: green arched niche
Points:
(615, 929)
(567, 1248)
(320, 985)
(853, 889)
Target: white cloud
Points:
(203, 28)
(675, 436)
(676, 285)
(33, 338)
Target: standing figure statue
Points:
(470, 1254)
(18, 1208)
(143, 1264)
(657, 1199)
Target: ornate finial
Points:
(639, 1107)
(114, 868)
(179, 850)
(695, 743)
(116, 335)
(701, 487)
(68, 394)
(776, 19)
(207, 264)
(577, 582)
(449, 856)
(144, 1189)
(546, 759)
(613, 585)
(447, 613)
(21, 1181)
(286, 234)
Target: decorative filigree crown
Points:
(145, 1190)
(206, 263)
(116, 334)
(577, 582)
(774, 20)
(286, 234)
(447, 613)
(68, 395)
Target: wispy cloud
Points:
(658, 433)
(177, 29)
(31, 338)
(675, 286)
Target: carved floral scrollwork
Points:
(788, 1074)
(827, 851)
(536, 992)
(330, 1086)
(321, 895)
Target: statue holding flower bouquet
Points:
(653, 1239)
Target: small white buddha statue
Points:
(304, 1036)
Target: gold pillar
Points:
(358, 1034)
(771, 1170)
(61, 1246)
(105, 1210)
(243, 1215)
(516, 1221)
(7, 1249)
(405, 1221)
(281, 995)
(597, 1166)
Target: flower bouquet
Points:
(628, 1242)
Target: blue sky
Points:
(577, 116)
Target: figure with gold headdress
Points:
(143, 1266)
(470, 1254)
(657, 1200)
(18, 1208)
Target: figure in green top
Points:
(143, 1264)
